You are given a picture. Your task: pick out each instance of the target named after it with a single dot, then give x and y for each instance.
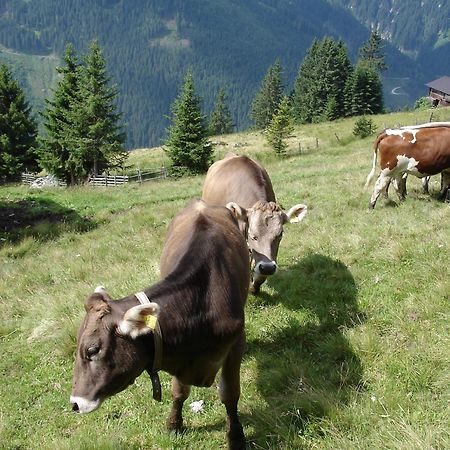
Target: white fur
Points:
(399, 132)
(297, 213)
(85, 406)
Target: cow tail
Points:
(374, 161)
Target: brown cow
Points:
(242, 180)
(190, 324)
(420, 150)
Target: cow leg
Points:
(382, 182)
(229, 393)
(180, 392)
(445, 184)
(385, 192)
(400, 186)
(425, 185)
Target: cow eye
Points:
(92, 351)
(254, 238)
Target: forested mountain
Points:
(420, 29)
(150, 44)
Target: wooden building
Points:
(439, 91)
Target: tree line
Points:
(82, 134)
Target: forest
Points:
(150, 44)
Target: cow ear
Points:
(97, 303)
(138, 320)
(238, 212)
(297, 213)
(102, 291)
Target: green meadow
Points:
(347, 345)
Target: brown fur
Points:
(201, 298)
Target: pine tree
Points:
(371, 52)
(55, 147)
(18, 129)
(364, 91)
(220, 121)
(97, 138)
(186, 144)
(268, 98)
(319, 87)
(280, 127)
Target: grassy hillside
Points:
(347, 345)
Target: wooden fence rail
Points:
(108, 180)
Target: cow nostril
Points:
(75, 407)
(267, 268)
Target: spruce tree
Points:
(280, 127)
(56, 149)
(97, 138)
(364, 91)
(268, 98)
(371, 52)
(18, 129)
(319, 87)
(186, 144)
(220, 121)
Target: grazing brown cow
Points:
(241, 180)
(420, 150)
(190, 324)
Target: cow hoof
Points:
(174, 426)
(236, 438)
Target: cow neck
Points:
(157, 345)
(157, 334)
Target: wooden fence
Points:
(40, 181)
(119, 180)
(107, 180)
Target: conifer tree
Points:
(371, 52)
(83, 136)
(18, 129)
(97, 138)
(268, 98)
(220, 121)
(280, 127)
(56, 150)
(186, 144)
(319, 87)
(364, 91)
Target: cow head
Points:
(263, 229)
(111, 350)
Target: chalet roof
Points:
(441, 84)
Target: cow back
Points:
(238, 179)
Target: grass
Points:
(347, 345)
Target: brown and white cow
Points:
(190, 324)
(420, 150)
(242, 180)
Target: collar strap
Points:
(157, 334)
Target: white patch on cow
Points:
(85, 406)
(100, 290)
(408, 165)
(399, 132)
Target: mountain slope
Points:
(150, 44)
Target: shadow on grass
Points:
(307, 368)
(41, 219)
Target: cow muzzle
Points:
(266, 268)
(82, 405)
